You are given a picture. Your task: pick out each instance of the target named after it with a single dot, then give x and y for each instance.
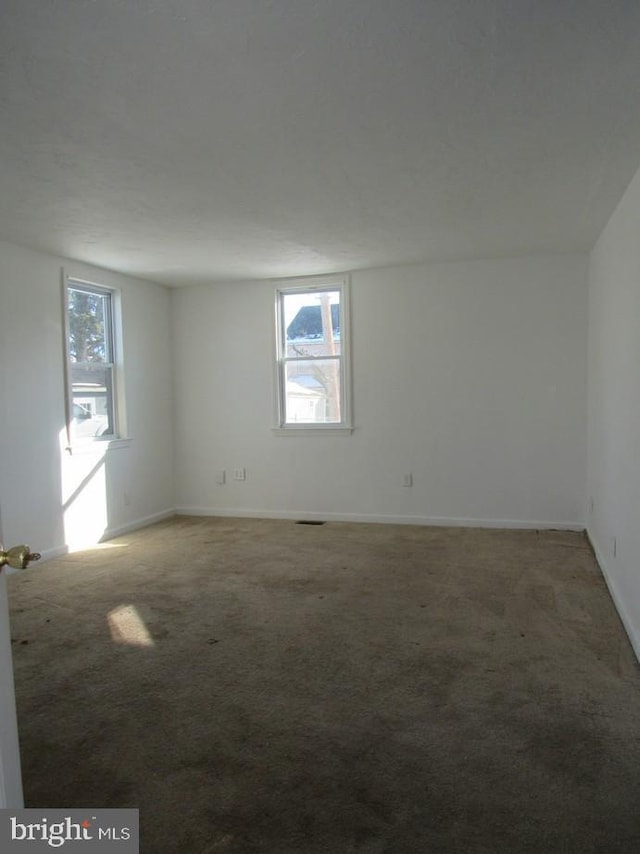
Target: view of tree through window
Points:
(90, 349)
(87, 338)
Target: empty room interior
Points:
(320, 375)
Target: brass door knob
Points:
(18, 557)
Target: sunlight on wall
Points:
(84, 495)
(127, 627)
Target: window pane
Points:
(88, 326)
(312, 391)
(312, 324)
(91, 393)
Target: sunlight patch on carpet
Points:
(127, 627)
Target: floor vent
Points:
(308, 522)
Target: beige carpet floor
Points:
(263, 686)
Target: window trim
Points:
(285, 287)
(114, 337)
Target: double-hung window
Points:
(312, 330)
(91, 362)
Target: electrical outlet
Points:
(592, 505)
(239, 474)
(614, 545)
(407, 480)
(126, 499)
(221, 477)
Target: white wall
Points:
(471, 376)
(614, 407)
(32, 394)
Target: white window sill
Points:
(115, 444)
(312, 431)
(96, 447)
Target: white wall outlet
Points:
(126, 499)
(239, 474)
(221, 477)
(614, 545)
(407, 480)
(592, 505)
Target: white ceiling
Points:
(188, 141)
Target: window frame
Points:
(313, 285)
(113, 348)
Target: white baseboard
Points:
(631, 630)
(49, 554)
(109, 533)
(243, 513)
(119, 530)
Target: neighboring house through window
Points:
(312, 329)
(91, 362)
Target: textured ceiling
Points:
(188, 141)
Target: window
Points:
(312, 355)
(91, 362)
